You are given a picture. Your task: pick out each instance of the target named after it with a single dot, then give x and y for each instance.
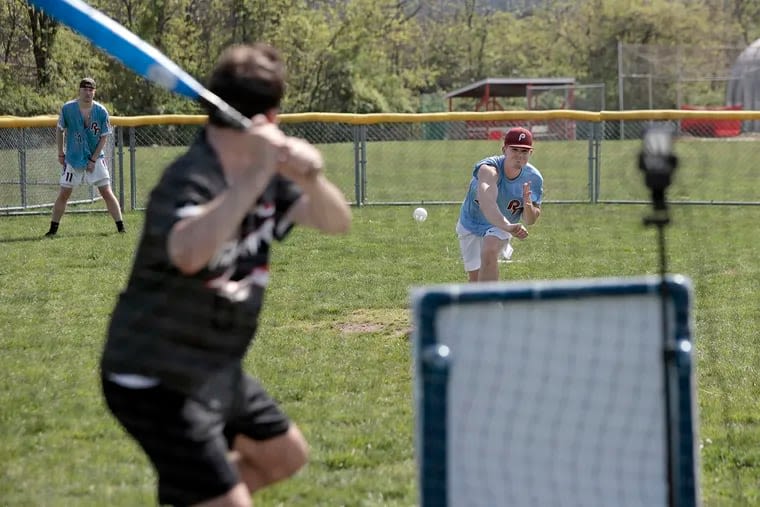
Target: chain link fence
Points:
(30, 172)
(426, 158)
(654, 76)
(579, 97)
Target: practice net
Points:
(557, 393)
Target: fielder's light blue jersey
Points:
(81, 138)
(509, 199)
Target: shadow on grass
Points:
(59, 237)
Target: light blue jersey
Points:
(509, 199)
(81, 138)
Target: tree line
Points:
(358, 56)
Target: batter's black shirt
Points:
(179, 328)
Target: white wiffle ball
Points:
(420, 214)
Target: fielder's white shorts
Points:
(470, 245)
(73, 177)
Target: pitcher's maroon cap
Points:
(518, 137)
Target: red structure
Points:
(701, 127)
(488, 92)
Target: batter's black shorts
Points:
(187, 437)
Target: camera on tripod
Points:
(658, 162)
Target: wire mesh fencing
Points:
(424, 158)
(30, 171)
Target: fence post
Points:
(22, 168)
(591, 163)
(120, 154)
(357, 165)
(132, 174)
(360, 163)
(594, 145)
(363, 136)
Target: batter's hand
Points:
(300, 160)
(518, 230)
(266, 142)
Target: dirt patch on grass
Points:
(360, 327)
(392, 321)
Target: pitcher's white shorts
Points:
(470, 245)
(73, 177)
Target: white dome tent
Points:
(744, 85)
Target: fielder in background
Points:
(504, 190)
(85, 125)
(172, 371)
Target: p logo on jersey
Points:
(518, 137)
(515, 206)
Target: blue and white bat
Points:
(135, 53)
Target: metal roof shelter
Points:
(744, 86)
(489, 89)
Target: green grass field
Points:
(334, 345)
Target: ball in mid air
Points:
(420, 214)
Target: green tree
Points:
(744, 16)
(43, 29)
(364, 55)
(583, 34)
(27, 68)
(345, 61)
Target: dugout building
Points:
(501, 93)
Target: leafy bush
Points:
(15, 99)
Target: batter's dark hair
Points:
(250, 78)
